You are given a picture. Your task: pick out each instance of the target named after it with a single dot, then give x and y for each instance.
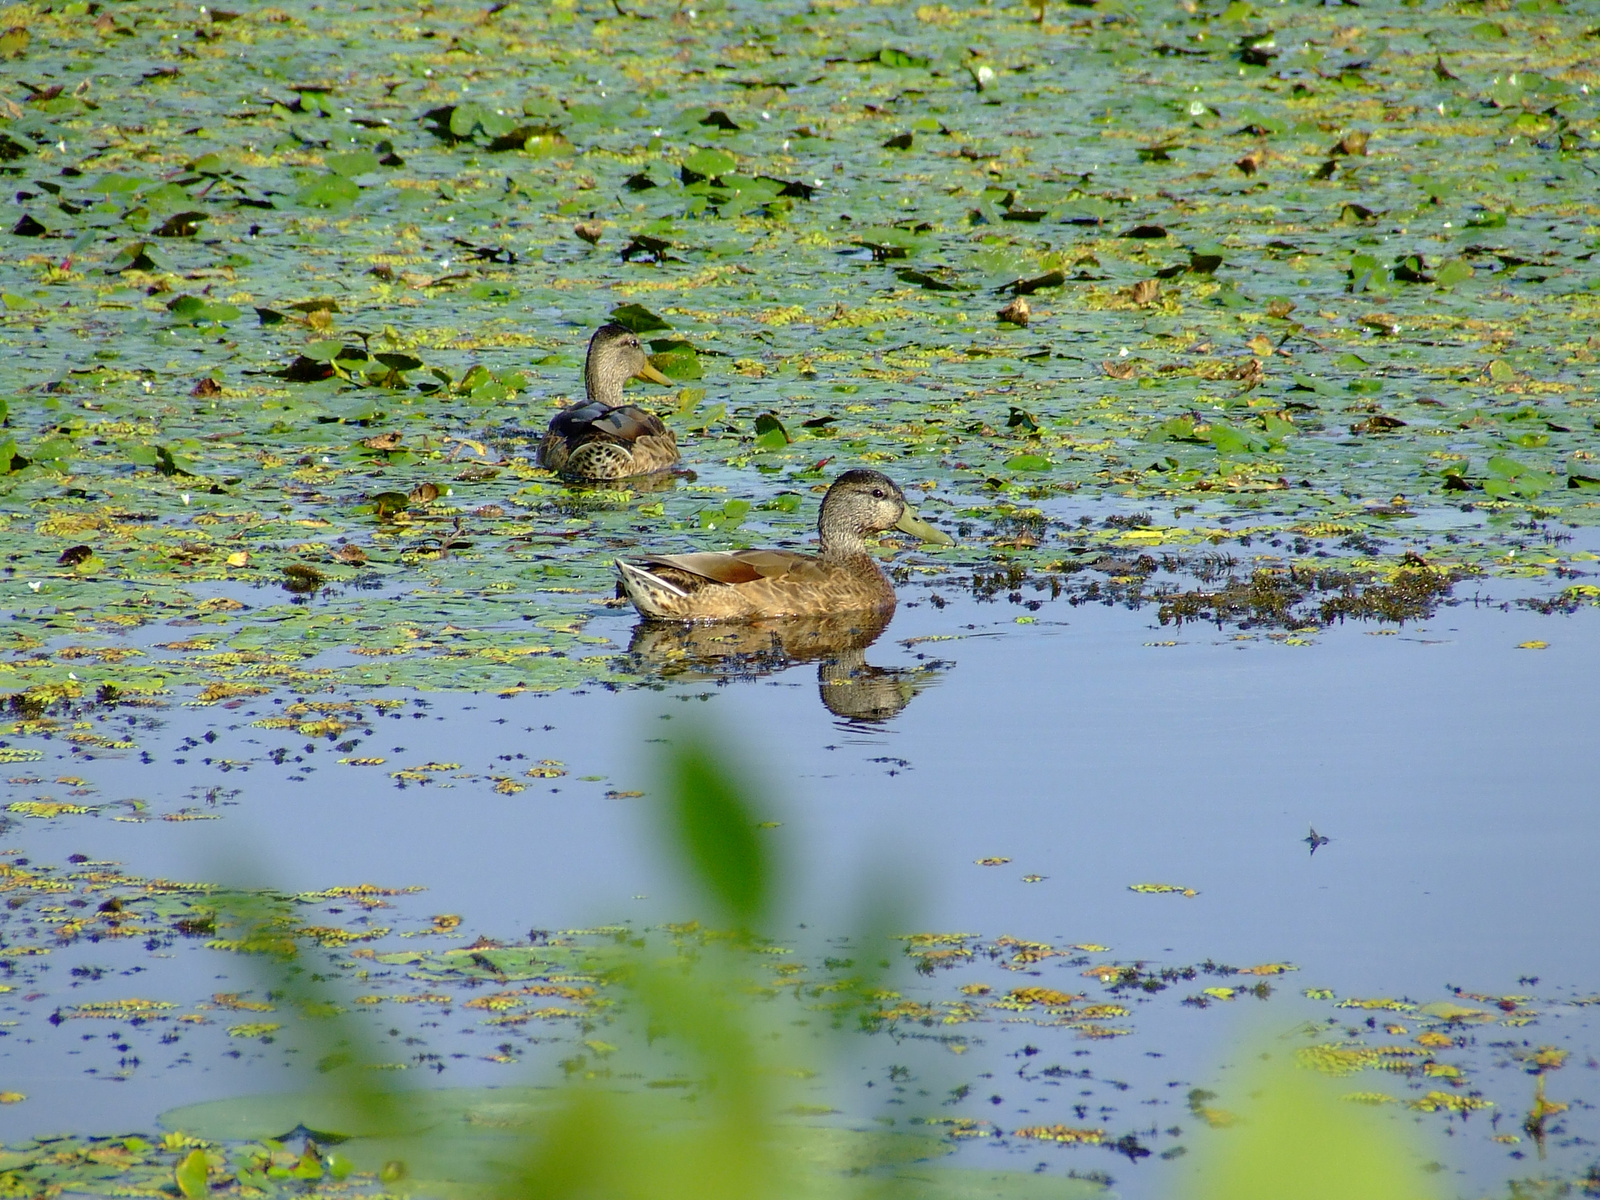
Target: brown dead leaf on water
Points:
(1262, 345)
(1279, 309)
(1353, 143)
(1249, 373)
(1145, 292)
(300, 578)
(1378, 423)
(1120, 370)
(588, 231)
(1017, 312)
(1251, 163)
(1048, 997)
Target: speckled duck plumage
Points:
(750, 584)
(602, 438)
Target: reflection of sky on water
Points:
(1451, 770)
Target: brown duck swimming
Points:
(602, 438)
(742, 585)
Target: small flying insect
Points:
(1315, 839)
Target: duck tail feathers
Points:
(647, 590)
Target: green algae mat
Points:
(289, 293)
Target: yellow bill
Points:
(654, 376)
(910, 523)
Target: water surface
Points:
(1088, 745)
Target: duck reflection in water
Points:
(850, 687)
(659, 481)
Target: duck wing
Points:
(596, 441)
(629, 423)
(575, 419)
(626, 423)
(736, 567)
(753, 585)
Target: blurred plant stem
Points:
(693, 1091)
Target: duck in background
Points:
(742, 585)
(602, 438)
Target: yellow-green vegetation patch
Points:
(570, 987)
(289, 295)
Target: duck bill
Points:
(654, 376)
(910, 523)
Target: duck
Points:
(745, 585)
(602, 438)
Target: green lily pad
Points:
(332, 190)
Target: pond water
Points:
(1086, 747)
(1255, 696)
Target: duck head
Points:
(862, 502)
(615, 356)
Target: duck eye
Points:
(878, 493)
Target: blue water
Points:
(1452, 771)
